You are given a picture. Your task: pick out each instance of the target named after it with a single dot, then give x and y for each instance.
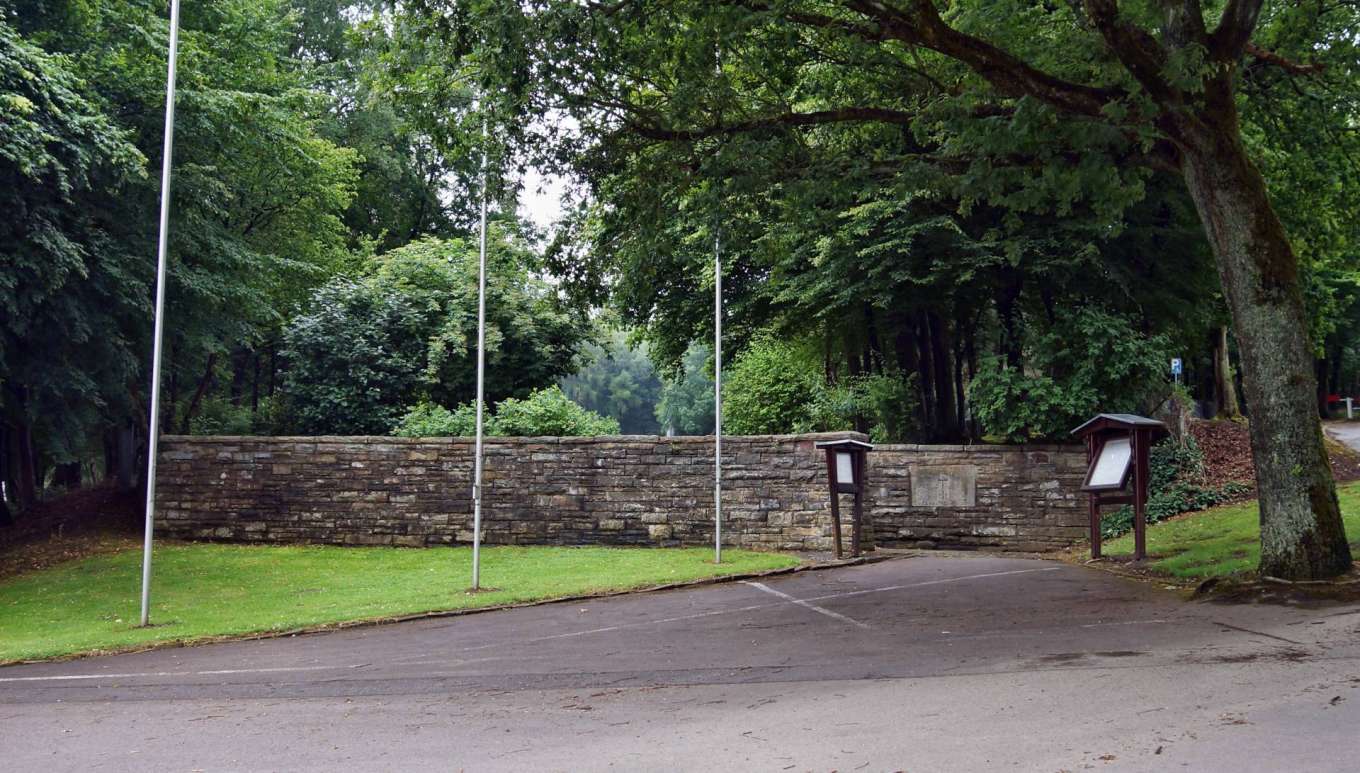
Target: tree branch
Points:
(1135, 48)
(841, 115)
(922, 26)
(1288, 65)
(1227, 42)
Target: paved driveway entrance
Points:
(930, 663)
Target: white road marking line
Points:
(806, 605)
(1125, 622)
(906, 586)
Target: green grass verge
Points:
(1221, 541)
(202, 591)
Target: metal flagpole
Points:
(153, 436)
(717, 401)
(481, 383)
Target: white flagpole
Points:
(481, 383)
(153, 434)
(717, 401)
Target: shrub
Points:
(1020, 408)
(1089, 361)
(549, 412)
(431, 420)
(773, 388)
(778, 387)
(544, 412)
(221, 417)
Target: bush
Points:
(549, 412)
(221, 417)
(544, 412)
(431, 420)
(778, 387)
(1020, 408)
(1089, 361)
(773, 388)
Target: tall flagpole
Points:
(153, 433)
(481, 383)
(717, 400)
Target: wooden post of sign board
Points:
(1093, 501)
(859, 506)
(1141, 440)
(835, 502)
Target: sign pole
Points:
(481, 382)
(717, 401)
(153, 432)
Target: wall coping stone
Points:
(504, 440)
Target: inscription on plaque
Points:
(944, 486)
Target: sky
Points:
(540, 200)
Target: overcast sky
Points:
(541, 206)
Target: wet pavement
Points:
(950, 662)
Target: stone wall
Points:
(638, 490)
(1023, 497)
(572, 491)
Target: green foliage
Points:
(219, 416)
(549, 412)
(771, 389)
(619, 381)
(1020, 408)
(686, 403)
(71, 294)
(890, 402)
(358, 356)
(1088, 362)
(290, 167)
(431, 420)
(365, 350)
(544, 412)
(775, 387)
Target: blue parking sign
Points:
(1175, 366)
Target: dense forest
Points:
(938, 222)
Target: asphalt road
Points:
(926, 663)
(1344, 431)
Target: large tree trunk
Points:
(23, 466)
(1301, 531)
(1008, 291)
(1224, 387)
(946, 415)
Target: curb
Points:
(445, 613)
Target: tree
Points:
(67, 287)
(365, 350)
(1177, 89)
(771, 389)
(686, 404)
(619, 381)
(1148, 85)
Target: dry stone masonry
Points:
(630, 490)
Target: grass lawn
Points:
(1221, 541)
(201, 591)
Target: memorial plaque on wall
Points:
(944, 486)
